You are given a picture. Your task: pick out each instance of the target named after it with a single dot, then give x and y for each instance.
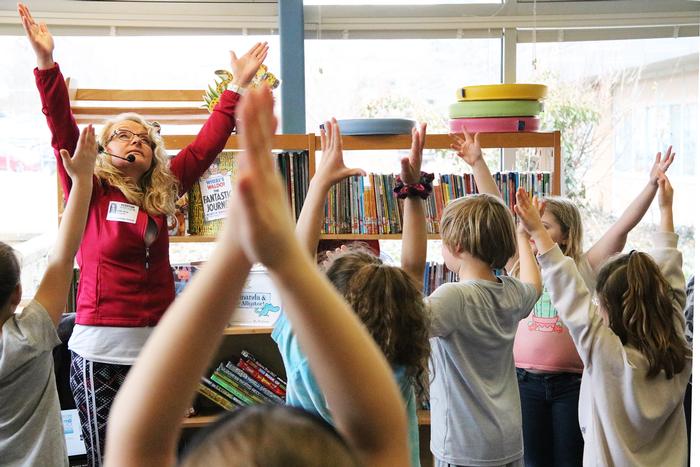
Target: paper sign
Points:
(216, 190)
(73, 433)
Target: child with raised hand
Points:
(630, 338)
(31, 430)
(474, 403)
(549, 368)
(351, 372)
(385, 298)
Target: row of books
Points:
(366, 205)
(294, 167)
(436, 274)
(247, 382)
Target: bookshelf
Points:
(174, 108)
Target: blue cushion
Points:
(376, 126)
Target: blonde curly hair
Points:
(157, 190)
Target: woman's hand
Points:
(245, 67)
(39, 37)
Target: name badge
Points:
(122, 212)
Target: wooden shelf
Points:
(208, 239)
(247, 330)
(192, 238)
(199, 421)
(204, 420)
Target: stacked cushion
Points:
(497, 108)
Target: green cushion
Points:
(474, 109)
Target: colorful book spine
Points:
(245, 383)
(250, 359)
(260, 377)
(244, 376)
(222, 381)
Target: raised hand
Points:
(259, 213)
(467, 147)
(245, 67)
(529, 211)
(332, 168)
(661, 165)
(82, 164)
(411, 165)
(39, 37)
(665, 194)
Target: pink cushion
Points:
(494, 125)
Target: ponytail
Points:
(636, 297)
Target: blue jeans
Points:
(551, 432)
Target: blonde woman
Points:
(125, 279)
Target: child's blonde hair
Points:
(157, 190)
(9, 272)
(636, 297)
(390, 305)
(268, 435)
(569, 218)
(480, 225)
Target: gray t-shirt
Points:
(474, 399)
(31, 430)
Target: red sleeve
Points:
(55, 104)
(193, 160)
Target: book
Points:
(250, 358)
(215, 397)
(243, 376)
(243, 381)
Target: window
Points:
(27, 164)
(619, 102)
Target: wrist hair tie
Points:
(422, 189)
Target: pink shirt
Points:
(542, 342)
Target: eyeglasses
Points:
(125, 136)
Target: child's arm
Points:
(146, 416)
(568, 291)
(613, 241)
(330, 171)
(53, 289)
(529, 269)
(414, 240)
(347, 364)
(665, 240)
(469, 150)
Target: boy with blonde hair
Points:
(474, 399)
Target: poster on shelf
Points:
(216, 190)
(260, 303)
